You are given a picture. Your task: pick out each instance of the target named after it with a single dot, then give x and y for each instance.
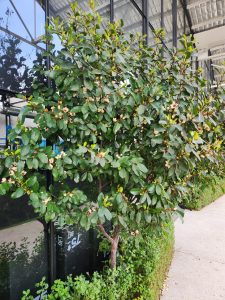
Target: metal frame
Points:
(174, 21)
(145, 19)
(49, 179)
(111, 11)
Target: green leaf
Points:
(107, 214)
(35, 163)
(35, 134)
(141, 109)
(75, 86)
(151, 189)
(94, 218)
(138, 217)
(31, 181)
(101, 212)
(148, 217)
(123, 174)
(84, 221)
(3, 189)
(135, 191)
(20, 166)
(117, 127)
(88, 84)
(142, 168)
(43, 157)
(18, 193)
(25, 151)
(8, 161)
(158, 189)
(52, 74)
(34, 200)
(67, 160)
(122, 221)
(25, 138)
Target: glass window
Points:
(23, 258)
(9, 19)
(16, 60)
(40, 20)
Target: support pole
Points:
(49, 181)
(174, 17)
(111, 11)
(162, 23)
(211, 71)
(145, 19)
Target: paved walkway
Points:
(198, 268)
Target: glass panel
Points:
(40, 20)
(10, 20)
(2, 130)
(23, 259)
(16, 60)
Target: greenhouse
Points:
(112, 123)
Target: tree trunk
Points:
(114, 248)
(114, 240)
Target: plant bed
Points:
(143, 264)
(204, 194)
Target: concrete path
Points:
(198, 268)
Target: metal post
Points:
(51, 227)
(35, 20)
(211, 71)
(174, 17)
(111, 11)
(145, 19)
(162, 24)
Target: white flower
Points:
(65, 109)
(11, 181)
(63, 153)
(46, 200)
(4, 180)
(51, 160)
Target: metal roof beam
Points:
(196, 3)
(208, 22)
(21, 38)
(104, 7)
(21, 19)
(213, 57)
(187, 14)
(218, 66)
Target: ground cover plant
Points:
(134, 123)
(204, 192)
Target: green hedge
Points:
(204, 194)
(143, 265)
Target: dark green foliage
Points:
(204, 192)
(143, 263)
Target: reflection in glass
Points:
(16, 61)
(23, 259)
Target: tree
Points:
(130, 122)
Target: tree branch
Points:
(106, 235)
